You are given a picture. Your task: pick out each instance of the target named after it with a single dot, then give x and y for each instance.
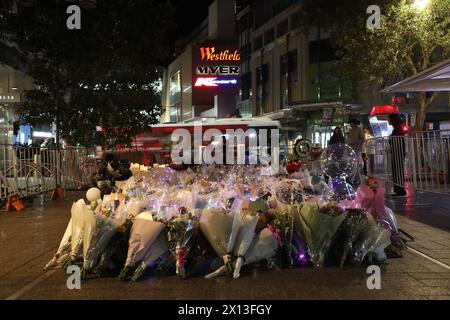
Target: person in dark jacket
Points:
(337, 137)
(397, 142)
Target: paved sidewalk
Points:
(28, 240)
(430, 209)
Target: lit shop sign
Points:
(218, 67)
(211, 54)
(218, 70)
(9, 98)
(214, 82)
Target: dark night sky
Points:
(190, 13)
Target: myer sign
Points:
(218, 70)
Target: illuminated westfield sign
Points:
(211, 54)
(213, 82)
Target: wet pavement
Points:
(29, 239)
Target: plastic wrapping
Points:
(184, 246)
(373, 201)
(235, 228)
(143, 234)
(105, 230)
(290, 192)
(159, 247)
(353, 225)
(115, 254)
(216, 225)
(77, 229)
(283, 225)
(264, 246)
(375, 239)
(89, 227)
(318, 229)
(244, 240)
(63, 250)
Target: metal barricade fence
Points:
(419, 161)
(31, 171)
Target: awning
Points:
(436, 78)
(383, 110)
(316, 105)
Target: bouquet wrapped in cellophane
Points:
(63, 251)
(182, 233)
(143, 234)
(217, 226)
(115, 254)
(247, 221)
(263, 247)
(373, 241)
(105, 229)
(159, 247)
(318, 225)
(353, 226)
(76, 242)
(370, 197)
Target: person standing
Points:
(337, 137)
(355, 140)
(44, 144)
(369, 152)
(397, 142)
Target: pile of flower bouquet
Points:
(215, 220)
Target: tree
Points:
(408, 42)
(103, 75)
(320, 17)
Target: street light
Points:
(420, 5)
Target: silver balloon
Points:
(339, 161)
(290, 192)
(337, 190)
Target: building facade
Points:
(13, 84)
(289, 74)
(286, 73)
(203, 79)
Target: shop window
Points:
(246, 86)
(263, 89)
(175, 96)
(288, 77)
(322, 51)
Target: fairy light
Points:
(420, 5)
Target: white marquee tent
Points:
(436, 78)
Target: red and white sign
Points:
(213, 82)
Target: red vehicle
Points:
(155, 146)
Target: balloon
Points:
(339, 160)
(290, 192)
(93, 194)
(338, 190)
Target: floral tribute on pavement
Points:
(213, 221)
